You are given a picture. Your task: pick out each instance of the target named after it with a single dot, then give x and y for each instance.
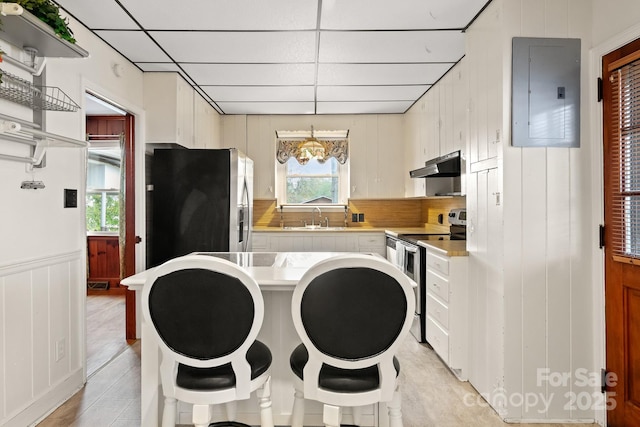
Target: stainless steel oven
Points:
(410, 261)
(392, 252)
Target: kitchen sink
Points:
(314, 228)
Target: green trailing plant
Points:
(49, 13)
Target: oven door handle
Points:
(412, 249)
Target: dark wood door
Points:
(103, 128)
(621, 112)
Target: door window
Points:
(625, 159)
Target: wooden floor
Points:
(431, 395)
(105, 329)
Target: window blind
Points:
(625, 155)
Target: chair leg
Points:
(357, 415)
(169, 412)
(332, 415)
(231, 408)
(297, 415)
(395, 410)
(201, 415)
(264, 397)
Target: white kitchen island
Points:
(277, 273)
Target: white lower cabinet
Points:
(320, 241)
(447, 306)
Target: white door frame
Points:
(140, 191)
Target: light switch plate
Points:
(70, 198)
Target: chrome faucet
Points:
(319, 215)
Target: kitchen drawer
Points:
(437, 285)
(438, 311)
(438, 338)
(372, 240)
(438, 263)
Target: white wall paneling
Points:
(43, 253)
(376, 153)
(525, 248)
(43, 352)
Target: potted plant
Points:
(49, 13)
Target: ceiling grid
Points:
(290, 56)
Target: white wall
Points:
(530, 237)
(43, 249)
(377, 166)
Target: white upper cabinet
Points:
(377, 157)
(169, 103)
(204, 124)
(437, 124)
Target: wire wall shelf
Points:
(23, 92)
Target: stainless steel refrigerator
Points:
(202, 202)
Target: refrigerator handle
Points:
(249, 219)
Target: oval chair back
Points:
(352, 312)
(206, 312)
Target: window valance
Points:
(305, 150)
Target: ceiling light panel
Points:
(397, 15)
(238, 47)
(370, 93)
(135, 45)
(224, 14)
(251, 74)
(267, 107)
(380, 74)
(111, 15)
(391, 107)
(391, 46)
(260, 93)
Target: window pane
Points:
(316, 183)
(312, 190)
(103, 211)
(103, 168)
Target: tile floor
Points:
(432, 396)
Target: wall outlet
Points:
(60, 349)
(354, 217)
(360, 217)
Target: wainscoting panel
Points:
(42, 357)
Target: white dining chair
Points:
(351, 313)
(206, 313)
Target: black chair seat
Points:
(221, 377)
(336, 379)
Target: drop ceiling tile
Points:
(251, 74)
(370, 93)
(259, 93)
(158, 66)
(399, 14)
(391, 46)
(390, 107)
(380, 74)
(224, 14)
(267, 107)
(110, 16)
(135, 45)
(238, 47)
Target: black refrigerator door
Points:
(191, 202)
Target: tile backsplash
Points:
(408, 212)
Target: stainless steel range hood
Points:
(443, 166)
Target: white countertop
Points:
(272, 270)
